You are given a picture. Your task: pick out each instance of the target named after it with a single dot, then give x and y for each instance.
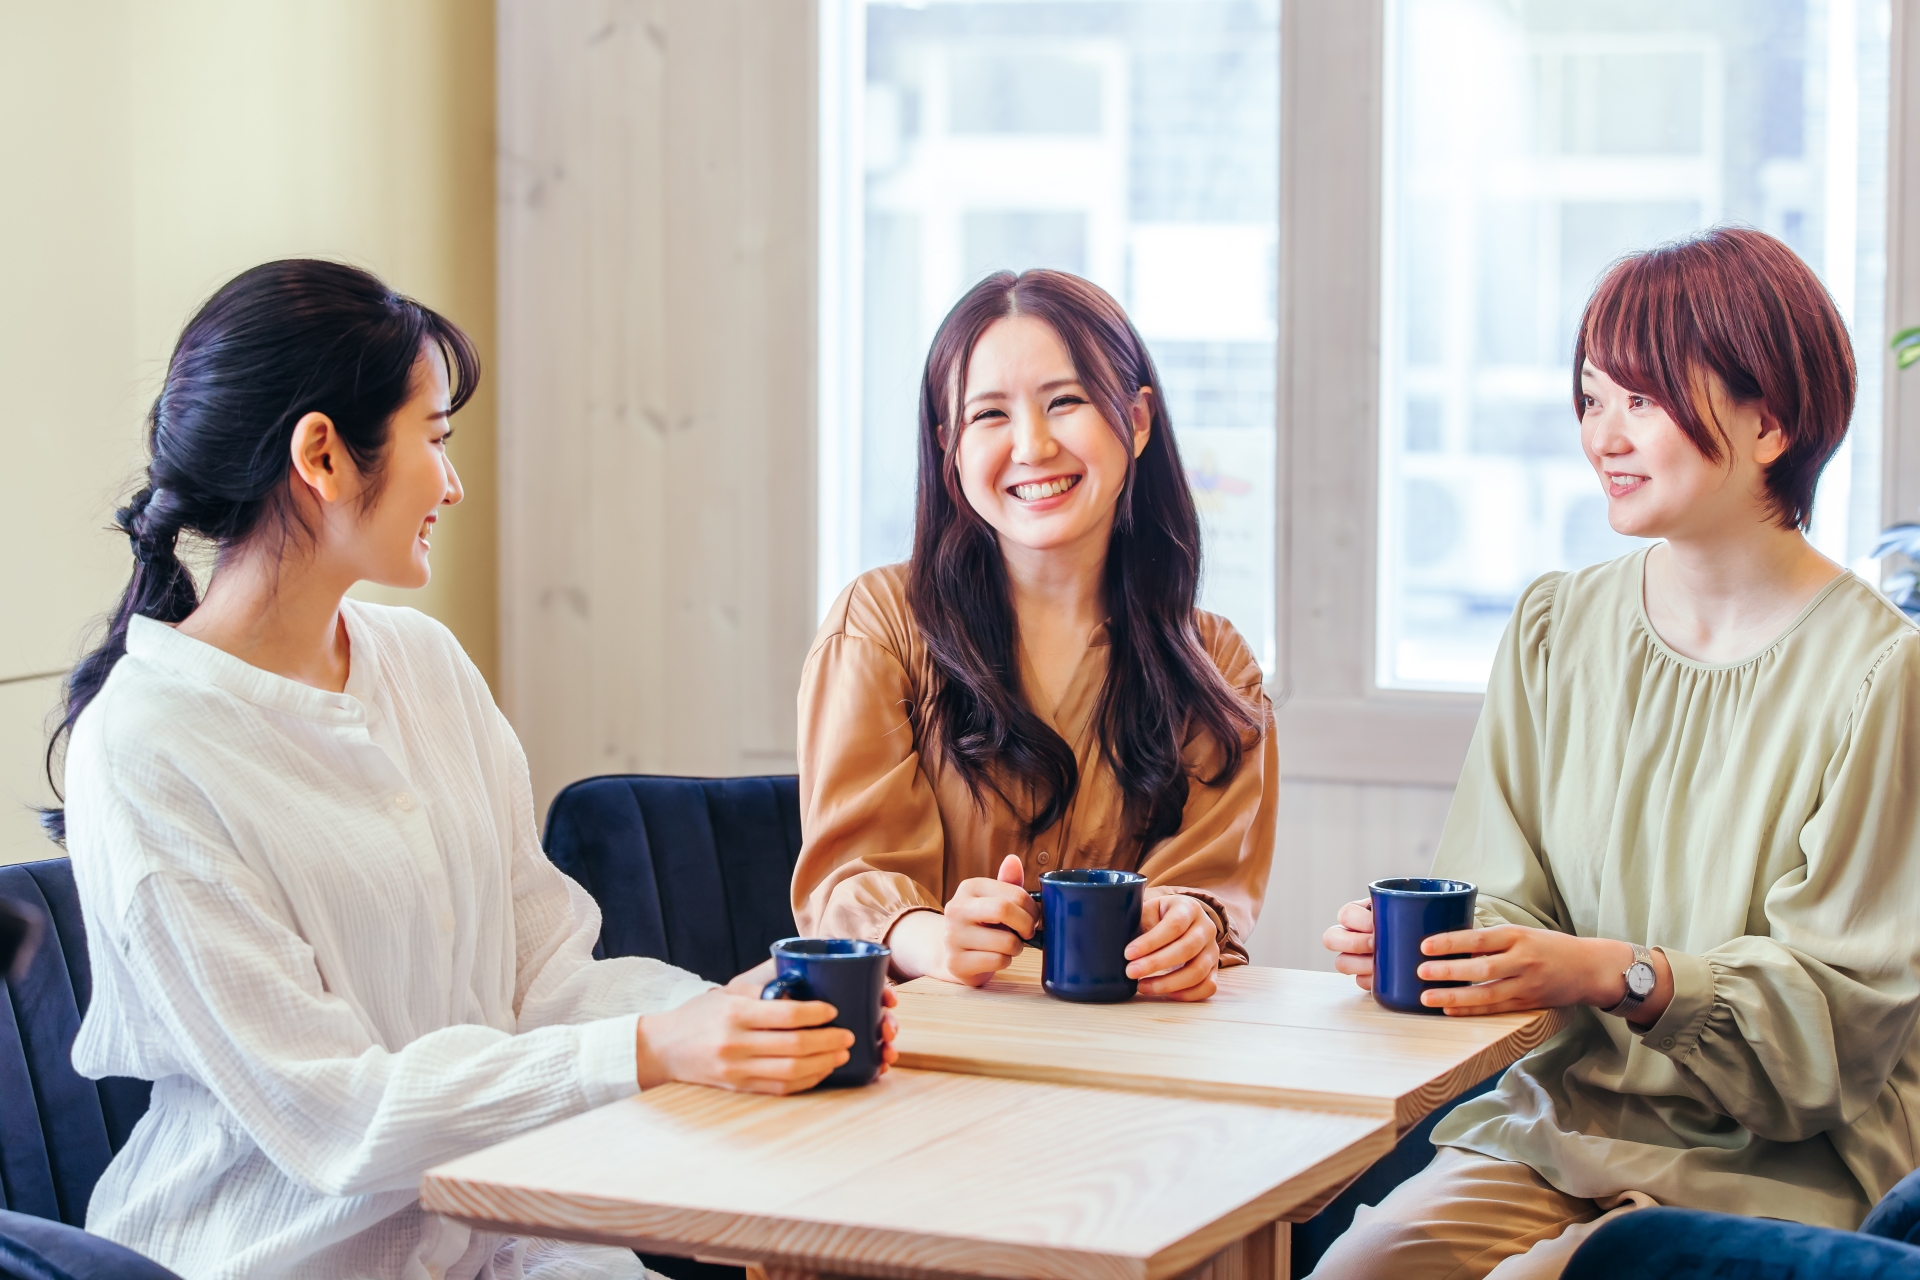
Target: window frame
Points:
(1337, 724)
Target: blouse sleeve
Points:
(556, 925)
(1492, 834)
(1795, 1030)
(1224, 849)
(875, 848)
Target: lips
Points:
(1622, 483)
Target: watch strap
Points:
(1628, 1007)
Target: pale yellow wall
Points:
(151, 149)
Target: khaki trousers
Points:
(1468, 1216)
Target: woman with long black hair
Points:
(1035, 689)
(319, 915)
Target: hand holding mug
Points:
(1514, 968)
(1178, 949)
(740, 1042)
(983, 928)
(1350, 938)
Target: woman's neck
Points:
(1060, 588)
(282, 617)
(1726, 595)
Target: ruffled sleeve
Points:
(1794, 1029)
(1493, 831)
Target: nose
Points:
(454, 490)
(1604, 432)
(1033, 441)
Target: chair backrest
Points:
(693, 871)
(57, 1129)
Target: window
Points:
(1134, 142)
(1529, 143)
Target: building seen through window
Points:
(1134, 142)
(1529, 144)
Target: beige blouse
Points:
(1759, 822)
(889, 830)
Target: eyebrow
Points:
(1055, 385)
(439, 413)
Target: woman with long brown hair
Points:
(1034, 689)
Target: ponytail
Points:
(274, 344)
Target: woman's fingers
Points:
(1165, 918)
(1357, 916)
(981, 937)
(1472, 941)
(1354, 966)
(1342, 939)
(1195, 940)
(998, 904)
(777, 1015)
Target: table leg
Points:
(1265, 1254)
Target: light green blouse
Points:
(1760, 823)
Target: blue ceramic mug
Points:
(1406, 912)
(1089, 917)
(848, 974)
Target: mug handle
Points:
(1039, 938)
(788, 986)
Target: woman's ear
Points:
(1142, 420)
(1772, 442)
(318, 458)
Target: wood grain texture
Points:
(920, 1175)
(1278, 1036)
(656, 276)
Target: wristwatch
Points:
(1641, 981)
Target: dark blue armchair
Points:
(1687, 1244)
(694, 871)
(57, 1129)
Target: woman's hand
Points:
(1178, 945)
(1514, 968)
(733, 1040)
(982, 930)
(753, 981)
(1351, 938)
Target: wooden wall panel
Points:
(1334, 839)
(657, 235)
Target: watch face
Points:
(1641, 980)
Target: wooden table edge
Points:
(1273, 1208)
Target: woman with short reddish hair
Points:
(1692, 807)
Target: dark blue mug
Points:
(1406, 912)
(1089, 917)
(848, 974)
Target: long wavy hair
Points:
(1161, 685)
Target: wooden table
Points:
(1050, 1141)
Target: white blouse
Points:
(323, 925)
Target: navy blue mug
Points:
(848, 974)
(1089, 917)
(1406, 912)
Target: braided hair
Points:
(275, 343)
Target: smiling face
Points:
(394, 536)
(1658, 483)
(1037, 460)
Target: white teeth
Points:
(1047, 489)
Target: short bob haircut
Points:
(1740, 305)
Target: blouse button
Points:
(404, 801)
(1667, 1043)
(1045, 857)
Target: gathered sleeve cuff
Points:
(875, 848)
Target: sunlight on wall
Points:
(152, 152)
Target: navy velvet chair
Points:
(57, 1129)
(694, 871)
(1687, 1244)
